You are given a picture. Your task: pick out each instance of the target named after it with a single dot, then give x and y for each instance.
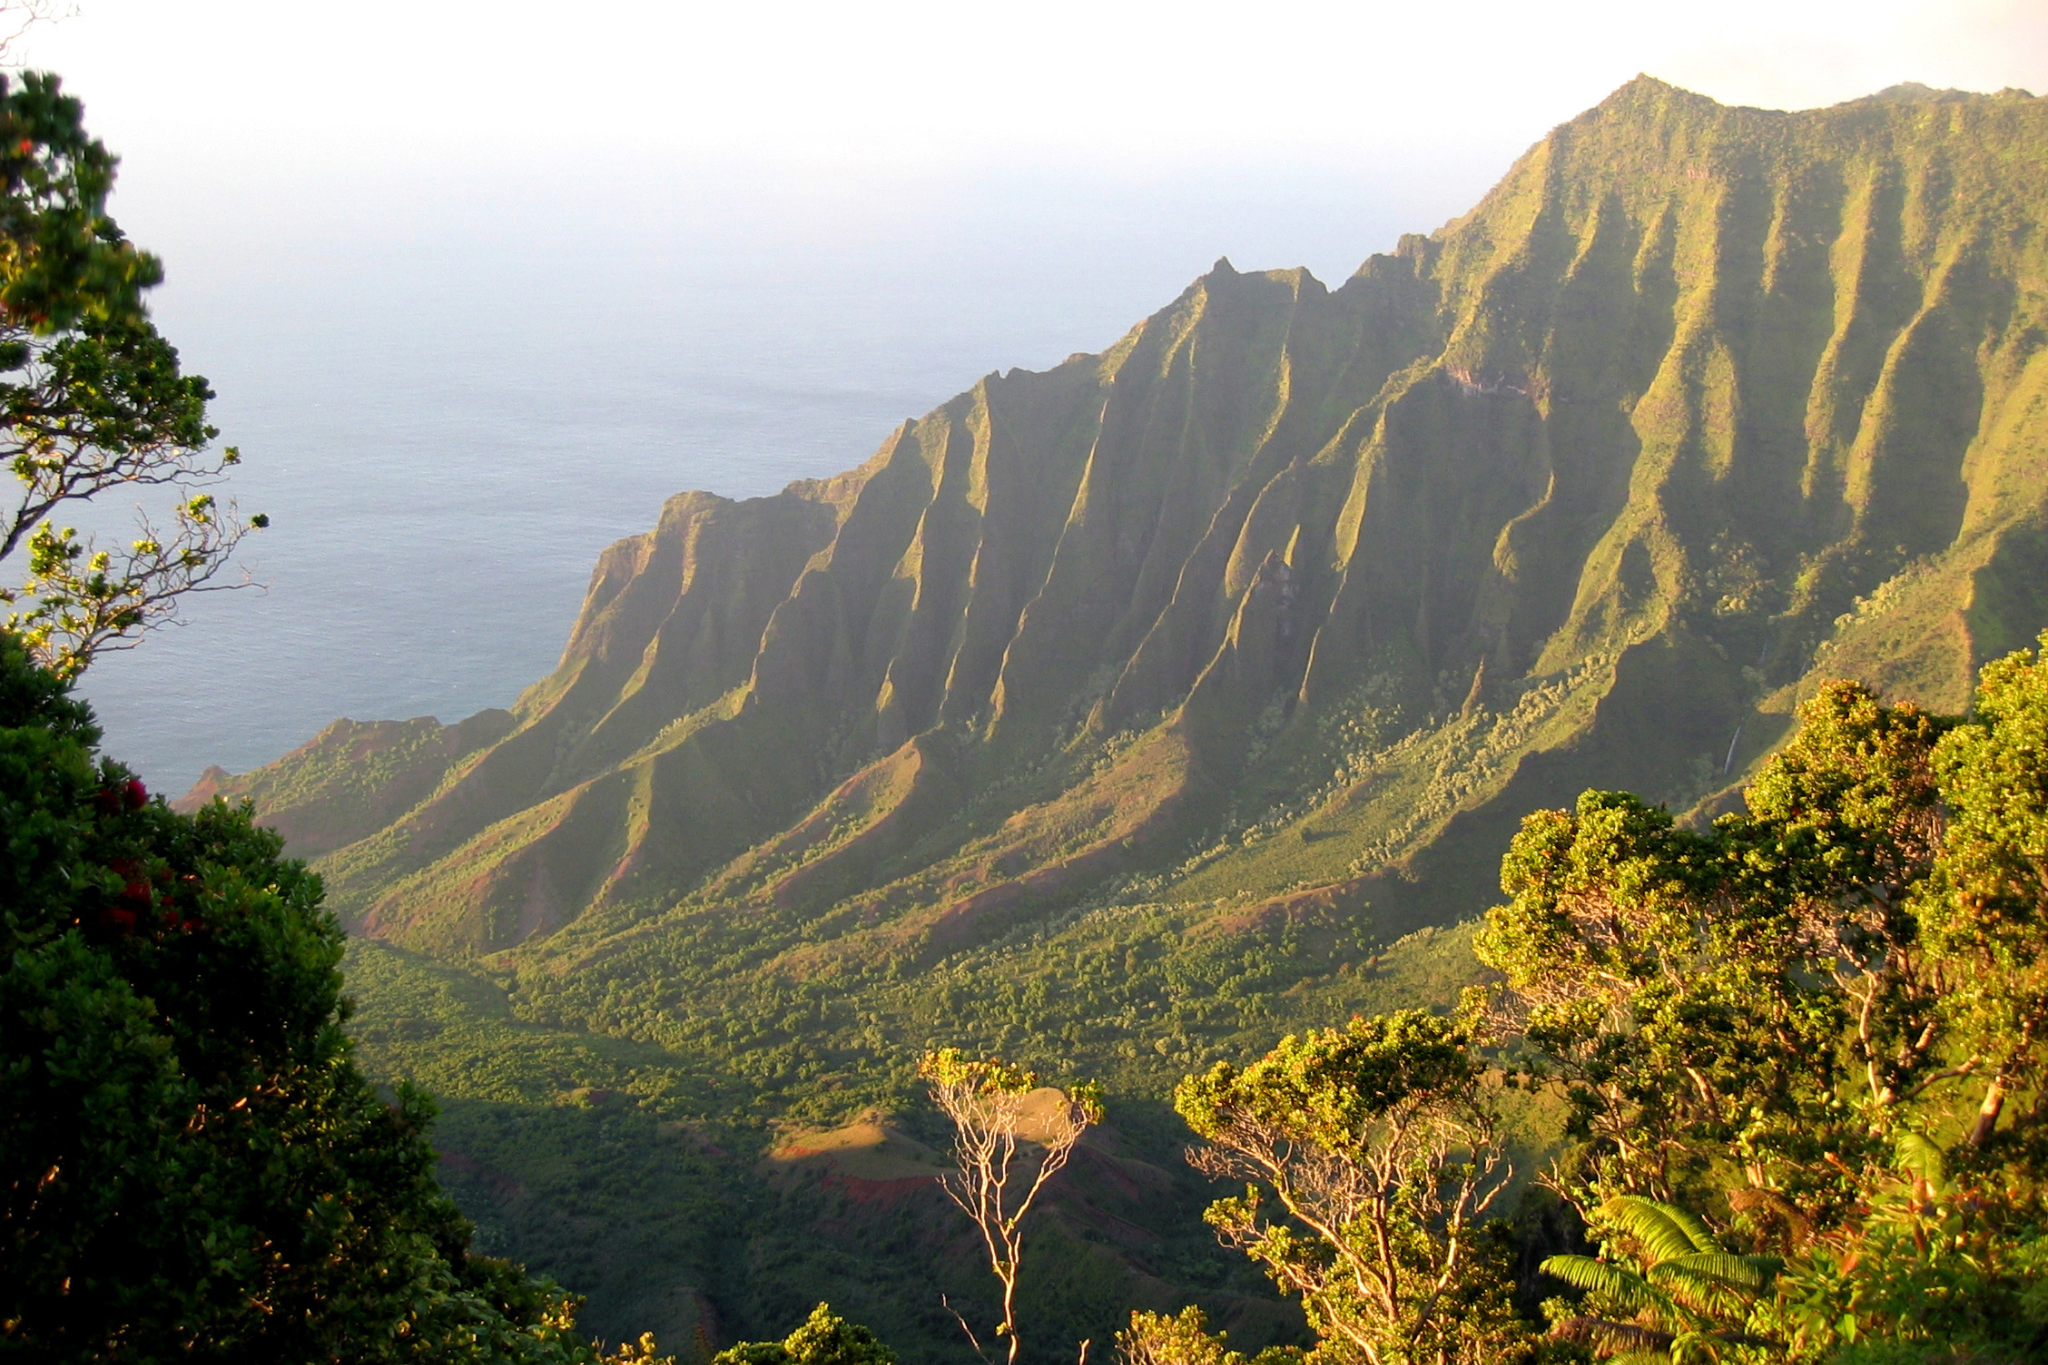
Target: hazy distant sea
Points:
(449, 408)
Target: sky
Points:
(268, 133)
(514, 83)
(403, 120)
(479, 284)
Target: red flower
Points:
(135, 796)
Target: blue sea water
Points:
(450, 398)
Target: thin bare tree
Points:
(1009, 1139)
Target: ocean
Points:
(452, 393)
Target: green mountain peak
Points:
(1648, 433)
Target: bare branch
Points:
(1391, 1206)
(1009, 1138)
(17, 17)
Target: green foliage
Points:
(1852, 799)
(1667, 1288)
(824, 1339)
(1675, 1009)
(1754, 997)
(1184, 1338)
(951, 1067)
(1174, 1339)
(592, 1155)
(1784, 1019)
(93, 398)
(1984, 909)
(1937, 1268)
(1765, 1021)
(192, 1164)
(1333, 1087)
(1380, 1144)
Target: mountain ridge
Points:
(1690, 383)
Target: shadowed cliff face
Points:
(1304, 592)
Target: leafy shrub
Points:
(191, 1163)
(825, 1338)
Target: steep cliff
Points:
(1578, 490)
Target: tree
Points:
(1752, 1015)
(92, 400)
(1983, 911)
(994, 1183)
(1933, 1270)
(1820, 1023)
(824, 1338)
(191, 1165)
(1843, 823)
(1749, 1005)
(1803, 1056)
(1380, 1144)
(1184, 1339)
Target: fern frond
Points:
(1705, 1296)
(1623, 1288)
(1615, 1340)
(1664, 1231)
(1750, 1274)
(1697, 1232)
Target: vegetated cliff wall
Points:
(1301, 591)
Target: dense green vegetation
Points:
(1802, 1052)
(1796, 1056)
(632, 1170)
(824, 1339)
(193, 1165)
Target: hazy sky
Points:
(531, 83)
(244, 122)
(392, 122)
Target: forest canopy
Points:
(1799, 1054)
